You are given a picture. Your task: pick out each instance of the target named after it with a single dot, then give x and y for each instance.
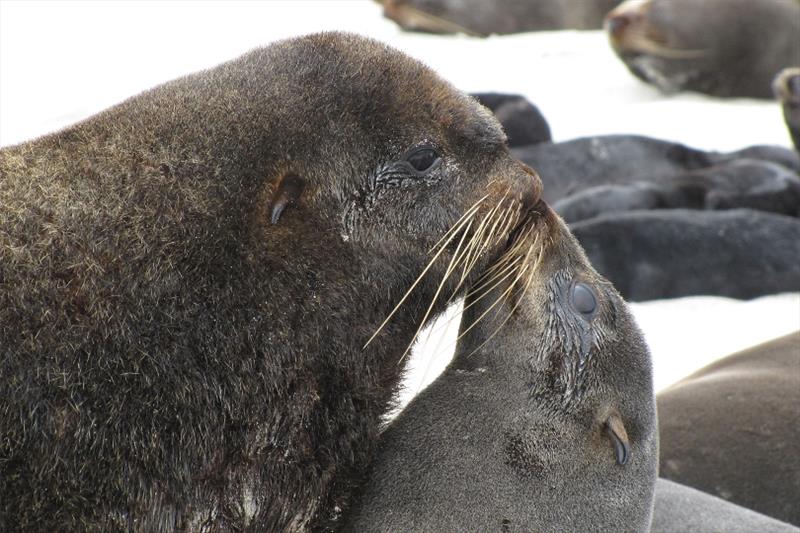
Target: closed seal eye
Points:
(583, 300)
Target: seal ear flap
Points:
(615, 429)
(287, 192)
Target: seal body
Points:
(522, 121)
(682, 509)
(668, 253)
(570, 167)
(500, 17)
(544, 424)
(728, 48)
(731, 429)
(188, 281)
(742, 183)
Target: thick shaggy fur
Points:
(511, 436)
(169, 359)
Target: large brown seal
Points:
(729, 48)
(731, 429)
(188, 281)
(544, 421)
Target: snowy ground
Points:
(63, 61)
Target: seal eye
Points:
(583, 299)
(423, 159)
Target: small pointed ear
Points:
(287, 192)
(615, 429)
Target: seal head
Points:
(545, 419)
(188, 281)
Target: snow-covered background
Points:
(62, 61)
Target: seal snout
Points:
(616, 25)
(787, 86)
(622, 19)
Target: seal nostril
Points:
(616, 24)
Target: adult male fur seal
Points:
(545, 423)
(188, 281)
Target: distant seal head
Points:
(545, 419)
(729, 48)
(477, 17)
(188, 281)
(787, 89)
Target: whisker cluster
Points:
(472, 235)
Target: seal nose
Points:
(793, 86)
(616, 24)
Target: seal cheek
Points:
(615, 429)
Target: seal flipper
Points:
(616, 430)
(287, 193)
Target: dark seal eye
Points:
(423, 159)
(583, 299)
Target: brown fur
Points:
(172, 360)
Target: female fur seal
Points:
(731, 429)
(545, 423)
(188, 281)
(729, 48)
(478, 17)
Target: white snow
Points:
(63, 61)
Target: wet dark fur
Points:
(570, 167)
(510, 437)
(742, 183)
(522, 121)
(173, 361)
(731, 429)
(668, 253)
(740, 45)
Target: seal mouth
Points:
(484, 227)
(513, 273)
(631, 34)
